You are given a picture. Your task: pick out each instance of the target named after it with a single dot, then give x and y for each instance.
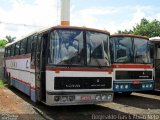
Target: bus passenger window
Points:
(17, 48)
(29, 44)
(23, 46)
(12, 50)
(33, 46)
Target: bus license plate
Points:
(85, 97)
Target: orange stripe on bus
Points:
(131, 66)
(110, 70)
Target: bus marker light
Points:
(57, 71)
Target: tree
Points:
(10, 39)
(3, 43)
(145, 28)
(125, 32)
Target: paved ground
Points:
(138, 106)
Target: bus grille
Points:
(62, 83)
(121, 75)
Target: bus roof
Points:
(155, 39)
(74, 27)
(41, 31)
(129, 35)
(33, 33)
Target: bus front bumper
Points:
(130, 86)
(78, 98)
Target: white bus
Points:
(131, 62)
(155, 45)
(61, 65)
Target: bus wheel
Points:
(127, 93)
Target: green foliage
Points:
(10, 39)
(3, 43)
(145, 28)
(2, 84)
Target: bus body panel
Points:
(78, 93)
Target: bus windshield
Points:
(78, 47)
(130, 50)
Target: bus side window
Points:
(8, 51)
(33, 51)
(12, 50)
(17, 46)
(29, 41)
(23, 47)
(33, 47)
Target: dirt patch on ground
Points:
(13, 106)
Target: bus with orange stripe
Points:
(61, 65)
(131, 63)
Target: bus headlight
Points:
(150, 85)
(126, 86)
(143, 86)
(109, 97)
(117, 86)
(147, 86)
(121, 86)
(98, 97)
(104, 97)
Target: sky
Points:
(21, 17)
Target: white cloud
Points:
(44, 13)
(96, 17)
(40, 13)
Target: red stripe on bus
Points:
(80, 69)
(33, 87)
(131, 66)
(28, 84)
(18, 57)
